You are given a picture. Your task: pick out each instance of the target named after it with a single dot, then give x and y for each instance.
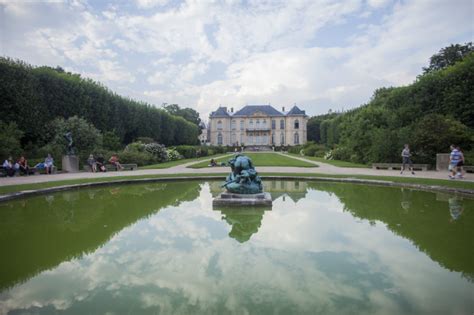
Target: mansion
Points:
(257, 125)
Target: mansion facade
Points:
(257, 125)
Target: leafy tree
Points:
(111, 141)
(10, 137)
(187, 113)
(86, 137)
(434, 133)
(448, 56)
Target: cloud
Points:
(202, 54)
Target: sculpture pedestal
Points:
(70, 163)
(230, 199)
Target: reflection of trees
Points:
(426, 222)
(39, 233)
(244, 222)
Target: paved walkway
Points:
(323, 168)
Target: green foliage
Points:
(187, 151)
(10, 137)
(32, 97)
(173, 155)
(435, 133)
(85, 136)
(430, 114)
(136, 157)
(144, 140)
(448, 56)
(110, 141)
(187, 113)
(158, 151)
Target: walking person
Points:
(406, 159)
(459, 166)
(454, 159)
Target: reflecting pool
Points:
(161, 248)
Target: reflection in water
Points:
(328, 248)
(244, 222)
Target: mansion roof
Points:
(250, 110)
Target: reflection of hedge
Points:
(41, 232)
(417, 216)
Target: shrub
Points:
(157, 150)
(139, 158)
(187, 151)
(341, 153)
(111, 141)
(173, 155)
(10, 137)
(295, 149)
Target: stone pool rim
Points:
(372, 182)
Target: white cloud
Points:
(266, 51)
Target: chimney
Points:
(231, 109)
(283, 109)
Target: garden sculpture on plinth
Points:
(70, 143)
(244, 178)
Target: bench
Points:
(398, 166)
(110, 167)
(469, 169)
(31, 171)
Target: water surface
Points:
(326, 248)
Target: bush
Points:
(173, 155)
(341, 153)
(314, 150)
(187, 151)
(139, 158)
(157, 150)
(295, 149)
(111, 141)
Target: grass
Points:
(409, 180)
(264, 159)
(179, 162)
(332, 162)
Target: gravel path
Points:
(181, 169)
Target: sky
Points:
(320, 55)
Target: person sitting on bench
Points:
(9, 167)
(115, 162)
(23, 164)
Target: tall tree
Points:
(448, 56)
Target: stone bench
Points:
(469, 168)
(398, 166)
(110, 167)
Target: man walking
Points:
(406, 159)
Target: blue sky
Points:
(318, 54)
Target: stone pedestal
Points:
(71, 163)
(442, 161)
(230, 199)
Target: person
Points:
(23, 166)
(406, 159)
(100, 164)
(460, 164)
(49, 164)
(9, 167)
(115, 162)
(213, 163)
(454, 159)
(92, 163)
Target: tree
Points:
(434, 133)
(10, 137)
(187, 113)
(86, 137)
(448, 56)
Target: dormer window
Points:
(297, 124)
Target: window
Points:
(282, 124)
(219, 138)
(273, 138)
(257, 124)
(282, 139)
(297, 124)
(233, 124)
(219, 125)
(264, 124)
(297, 138)
(241, 139)
(251, 123)
(233, 139)
(273, 124)
(241, 125)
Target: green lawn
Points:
(263, 159)
(179, 162)
(409, 180)
(332, 162)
